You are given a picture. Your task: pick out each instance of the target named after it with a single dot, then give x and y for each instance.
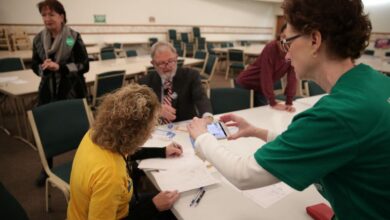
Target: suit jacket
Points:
(191, 99)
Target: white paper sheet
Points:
(268, 195)
(191, 177)
(8, 79)
(187, 159)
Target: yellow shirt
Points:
(100, 187)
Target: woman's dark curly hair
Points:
(344, 26)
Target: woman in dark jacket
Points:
(60, 59)
(59, 56)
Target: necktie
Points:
(167, 98)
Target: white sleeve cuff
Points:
(243, 172)
(271, 136)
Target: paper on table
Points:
(185, 160)
(8, 79)
(19, 81)
(191, 177)
(268, 195)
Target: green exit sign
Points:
(99, 18)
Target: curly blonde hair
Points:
(125, 119)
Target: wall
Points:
(129, 19)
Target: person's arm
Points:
(148, 152)
(81, 61)
(243, 172)
(200, 98)
(291, 86)
(107, 192)
(266, 77)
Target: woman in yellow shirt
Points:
(100, 185)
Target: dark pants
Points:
(138, 210)
(258, 100)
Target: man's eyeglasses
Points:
(286, 43)
(163, 64)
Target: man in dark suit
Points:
(185, 98)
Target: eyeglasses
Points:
(163, 64)
(286, 43)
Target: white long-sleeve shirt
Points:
(243, 172)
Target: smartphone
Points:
(218, 129)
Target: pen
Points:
(193, 201)
(200, 197)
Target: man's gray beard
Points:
(167, 76)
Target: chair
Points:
(230, 99)
(10, 207)
(312, 88)
(210, 47)
(107, 82)
(224, 44)
(196, 32)
(150, 69)
(200, 43)
(180, 63)
(152, 41)
(244, 43)
(107, 53)
(189, 47)
(172, 35)
(21, 41)
(118, 48)
(11, 64)
(58, 128)
(131, 53)
(369, 52)
(208, 70)
(199, 54)
(5, 43)
(180, 52)
(235, 61)
(184, 37)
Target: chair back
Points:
(234, 55)
(196, 32)
(313, 88)
(150, 69)
(172, 36)
(199, 54)
(11, 64)
(131, 53)
(189, 49)
(230, 99)
(200, 43)
(107, 53)
(180, 63)
(59, 127)
(369, 52)
(180, 52)
(107, 82)
(152, 41)
(184, 37)
(117, 45)
(210, 65)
